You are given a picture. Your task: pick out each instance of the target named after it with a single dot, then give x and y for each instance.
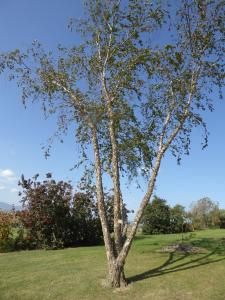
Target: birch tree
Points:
(132, 95)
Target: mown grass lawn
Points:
(79, 273)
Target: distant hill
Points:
(7, 207)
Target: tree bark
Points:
(115, 168)
(116, 261)
(116, 271)
(126, 247)
(116, 276)
(116, 182)
(162, 149)
(100, 200)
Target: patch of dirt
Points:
(123, 289)
(182, 248)
(105, 284)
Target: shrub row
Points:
(52, 217)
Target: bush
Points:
(46, 215)
(6, 231)
(53, 217)
(24, 239)
(86, 227)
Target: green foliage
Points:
(146, 83)
(222, 218)
(161, 218)
(6, 231)
(205, 214)
(177, 219)
(156, 217)
(86, 226)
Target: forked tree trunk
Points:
(116, 261)
(116, 276)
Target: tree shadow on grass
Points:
(171, 266)
(211, 244)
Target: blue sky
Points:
(22, 132)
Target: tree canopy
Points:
(205, 213)
(160, 218)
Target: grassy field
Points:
(79, 273)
